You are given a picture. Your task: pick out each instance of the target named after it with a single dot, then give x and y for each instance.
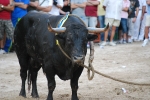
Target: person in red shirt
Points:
(6, 26)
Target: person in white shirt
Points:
(113, 17)
(57, 4)
(140, 19)
(147, 24)
(45, 5)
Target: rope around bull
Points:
(91, 68)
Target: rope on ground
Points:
(122, 81)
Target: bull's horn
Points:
(97, 30)
(56, 30)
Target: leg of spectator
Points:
(130, 30)
(141, 35)
(146, 32)
(101, 20)
(112, 33)
(137, 26)
(124, 28)
(9, 35)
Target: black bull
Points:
(35, 46)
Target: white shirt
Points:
(113, 8)
(55, 10)
(45, 3)
(142, 3)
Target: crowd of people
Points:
(131, 18)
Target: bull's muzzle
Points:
(78, 59)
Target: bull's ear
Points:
(91, 37)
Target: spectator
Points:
(66, 8)
(139, 19)
(113, 17)
(45, 6)
(123, 22)
(143, 18)
(57, 4)
(134, 6)
(33, 5)
(19, 11)
(6, 26)
(101, 18)
(78, 7)
(147, 24)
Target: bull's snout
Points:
(78, 59)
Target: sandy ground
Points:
(129, 62)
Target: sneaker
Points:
(120, 41)
(88, 45)
(130, 40)
(139, 40)
(135, 40)
(103, 43)
(124, 42)
(112, 43)
(145, 42)
(2, 51)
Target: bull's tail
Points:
(29, 80)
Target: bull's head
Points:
(75, 38)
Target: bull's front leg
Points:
(74, 83)
(51, 87)
(50, 74)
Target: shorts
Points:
(123, 25)
(147, 22)
(112, 22)
(7, 28)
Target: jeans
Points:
(123, 25)
(101, 20)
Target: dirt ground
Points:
(129, 62)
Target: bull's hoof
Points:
(34, 95)
(22, 93)
(74, 98)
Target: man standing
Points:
(113, 16)
(134, 6)
(19, 11)
(139, 20)
(78, 8)
(147, 23)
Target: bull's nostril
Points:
(78, 57)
